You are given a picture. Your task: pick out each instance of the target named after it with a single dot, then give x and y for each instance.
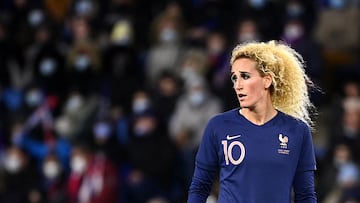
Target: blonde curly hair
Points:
(290, 84)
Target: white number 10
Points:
(228, 152)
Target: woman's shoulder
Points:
(291, 120)
(226, 115)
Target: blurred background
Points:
(105, 101)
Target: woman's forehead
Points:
(244, 65)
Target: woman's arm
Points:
(201, 185)
(304, 187)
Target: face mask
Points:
(247, 37)
(188, 73)
(74, 103)
(294, 10)
(51, 169)
(337, 4)
(140, 105)
(102, 130)
(293, 32)
(82, 62)
(12, 163)
(83, 7)
(36, 17)
(47, 67)
(78, 164)
(257, 3)
(197, 98)
(63, 126)
(33, 98)
(168, 35)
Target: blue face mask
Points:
(102, 130)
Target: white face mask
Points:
(337, 4)
(33, 98)
(83, 7)
(12, 163)
(140, 105)
(188, 73)
(51, 169)
(78, 164)
(47, 67)
(197, 98)
(247, 37)
(293, 32)
(74, 103)
(257, 3)
(35, 17)
(168, 35)
(82, 62)
(295, 9)
(63, 126)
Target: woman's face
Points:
(250, 87)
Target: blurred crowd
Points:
(105, 101)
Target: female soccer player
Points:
(262, 151)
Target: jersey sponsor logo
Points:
(283, 144)
(228, 146)
(231, 137)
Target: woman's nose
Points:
(237, 84)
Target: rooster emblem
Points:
(283, 141)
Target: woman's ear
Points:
(267, 81)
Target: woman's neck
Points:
(259, 116)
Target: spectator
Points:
(21, 178)
(217, 61)
(46, 62)
(152, 158)
(193, 64)
(248, 30)
(79, 165)
(54, 176)
(121, 64)
(193, 109)
(83, 61)
(165, 96)
(166, 47)
(296, 35)
(100, 183)
(345, 185)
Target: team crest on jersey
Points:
(283, 144)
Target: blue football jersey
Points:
(256, 163)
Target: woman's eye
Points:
(233, 78)
(245, 76)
